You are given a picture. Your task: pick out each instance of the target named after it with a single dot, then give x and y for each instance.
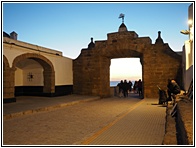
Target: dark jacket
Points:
(173, 87)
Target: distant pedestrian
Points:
(139, 84)
(130, 86)
(120, 88)
(125, 88)
(135, 87)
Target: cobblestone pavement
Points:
(142, 125)
(35, 103)
(81, 123)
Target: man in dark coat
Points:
(120, 86)
(125, 88)
(139, 85)
(173, 87)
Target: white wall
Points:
(188, 64)
(62, 65)
(37, 79)
(63, 71)
(22, 77)
(188, 55)
(18, 77)
(188, 52)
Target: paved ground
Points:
(87, 121)
(144, 124)
(33, 103)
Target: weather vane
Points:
(122, 16)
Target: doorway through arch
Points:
(129, 69)
(92, 67)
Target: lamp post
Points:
(190, 31)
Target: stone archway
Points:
(8, 79)
(48, 73)
(5, 63)
(159, 62)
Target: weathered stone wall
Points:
(92, 67)
(159, 64)
(8, 82)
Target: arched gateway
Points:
(92, 67)
(48, 70)
(9, 75)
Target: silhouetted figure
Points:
(125, 88)
(135, 87)
(173, 88)
(120, 87)
(130, 86)
(139, 84)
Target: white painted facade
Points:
(62, 65)
(188, 52)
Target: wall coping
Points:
(31, 46)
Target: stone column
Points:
(104, 77)
(8, 85)
(49, 82)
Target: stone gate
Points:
(91, 69)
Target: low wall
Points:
(170, 128)
(184, 121)
(114, 90)
(179, 129)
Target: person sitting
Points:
(173, 88)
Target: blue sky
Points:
(68, 27)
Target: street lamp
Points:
(190, 31)
(186, 32)
(190, 22)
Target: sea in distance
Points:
(115, 83)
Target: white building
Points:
(188, 52)
(34, 70)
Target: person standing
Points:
(130, 86)
(120, 87)
(139, 84)
(125, 88)
(135, 87)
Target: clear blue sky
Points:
(68, 27)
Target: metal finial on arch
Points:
(122, 16)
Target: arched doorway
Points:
(33, 72)
(125, 69)
(91, 68)
(121, 52)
